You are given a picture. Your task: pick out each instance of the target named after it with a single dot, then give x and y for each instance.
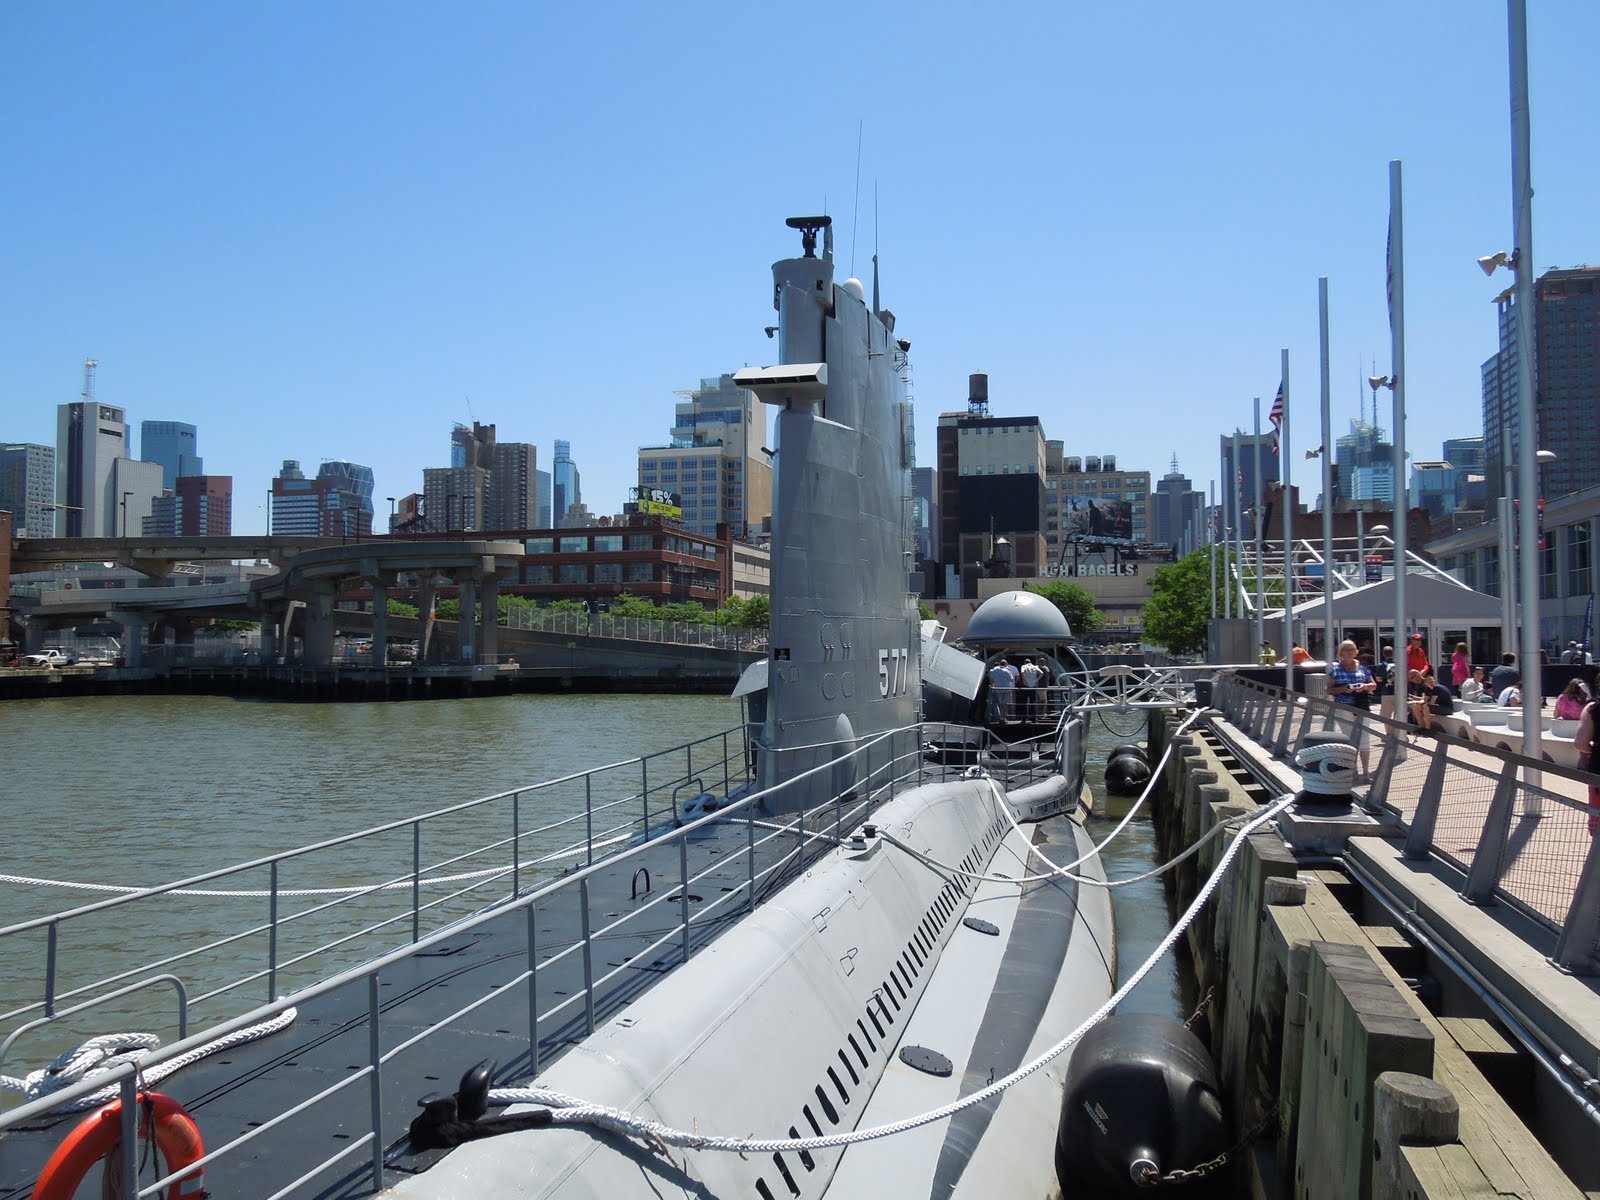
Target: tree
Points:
(1175, 616)
(1076, 603)
(567, 606)
(925, 611)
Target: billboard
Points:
(1088, 517)
(658, 502)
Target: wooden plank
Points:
(1506, 1152)
(1356, 1028)
(1443, 1173)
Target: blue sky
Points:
(330, 231)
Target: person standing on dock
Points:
(1386, 680)
(1351, 684)
(1460, 667)
(1416, 654)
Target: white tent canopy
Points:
(1430, 600)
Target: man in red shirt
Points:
(1416, 656)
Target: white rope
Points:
(1328, 769)
(100, 1055)
(565, 1109)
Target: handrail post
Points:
(588, 814)
(533, 989)
(588, 953)
(1489, 859)
(128, 1148)
(1576, 948)
(416, 881)
(51, 953)
(272, 937)
(1378, 789)
(644, 792)
(683, 892)
(750, 860)
(375, 1059)
(516, 843)
(727, 783)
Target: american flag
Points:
(1276, 417)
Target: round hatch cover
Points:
(981, 926)
(924, 1059)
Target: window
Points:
(574, 573)
(1547, 570)
(574, 545)
(607, 541)
(641, 541)
(538, 575)
(641, 572)
(539, 546)
(608, 572)
(1578, 559)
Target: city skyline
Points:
(375, 257)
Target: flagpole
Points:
(1288, 530)
(1397, 352)
(1527, 483)
(1261, 541)
(1328, 647)
(1211, 539)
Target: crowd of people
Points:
(1354, 679)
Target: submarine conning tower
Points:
(843, 647)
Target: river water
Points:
(140, 790)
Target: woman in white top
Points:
(1511, 697)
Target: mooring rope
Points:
(565, 1109)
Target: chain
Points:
(1150, 1177)
(1200, 1008)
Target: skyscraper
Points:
(1177, 511)
(173, 444)
(337, 503)
(90, 437)
(513, 487)
(565, 492)
(544, 518)
(1566, 384)
(28, 487)
(200, 506)
(714, 461)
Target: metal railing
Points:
(636, 802)
(638, 629)
(1517, 830)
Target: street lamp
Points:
(390, 499)
(125, 496)
(77, 508)
(1379, 531)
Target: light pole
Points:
(390, 499)
(1378, 531)
(77, 508)
(125, 496)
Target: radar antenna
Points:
(808, 227)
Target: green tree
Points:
(636, 607)
(232, 625)
(742, 612)
(924, 611)
(1175, 616)
(1076, 603)
(566, 606)
(399, 608)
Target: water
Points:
(136, 791)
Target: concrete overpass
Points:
(309, 584)
(156, 556)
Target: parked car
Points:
(53, 656)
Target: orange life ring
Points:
(99, 1135)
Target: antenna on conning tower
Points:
(89, 364)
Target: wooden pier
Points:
(1353, 1052)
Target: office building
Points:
(200, 506)
(564, 472)
(337, 503)
(28, 487)
(1176, 511)
(1238, 492)
(90, 438)
(1566, 384)
(991, 493)
(542, 486)
(925, 511)
(513, 500)
(1465, 455)
(173, 444)
(1088, 498)
(714, 462)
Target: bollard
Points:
(1327, 764)
(1407, 1109)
